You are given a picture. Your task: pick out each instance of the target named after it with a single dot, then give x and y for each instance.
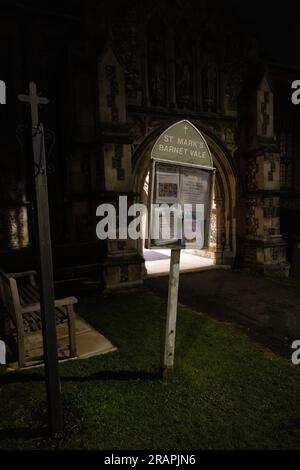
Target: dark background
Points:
(276, 24)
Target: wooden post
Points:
(170, 326)
(47, 288)
(55, 414)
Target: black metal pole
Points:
(55, 413)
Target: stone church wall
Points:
(115, 78)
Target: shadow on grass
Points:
(23, 433)
(12, 378)
(121, 375)
(116, 375)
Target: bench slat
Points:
(34, 291)
(33, 322)
(62, 313)
(29, 295)
(25, 298)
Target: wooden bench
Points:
(22, 302)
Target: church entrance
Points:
(222, 246)
(157, 263)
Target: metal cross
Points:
(34, 100)
(185, 129)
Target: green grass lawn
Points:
(226, 392)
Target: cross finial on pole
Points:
(45, 261)
(34, 100)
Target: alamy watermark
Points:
(2, 92)
(296, 354)
(296, 93)
(169, 222)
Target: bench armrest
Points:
(66, 301)
(30, 274)
(36, 307)
(31, 308)
(22, 274)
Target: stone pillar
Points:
(123, 266)
(260, 243)
(220, 231)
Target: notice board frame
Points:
(152, 178)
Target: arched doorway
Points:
(222, 249)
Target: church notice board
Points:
(180, 189)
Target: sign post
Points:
(170, 327)
(180, 200)
(55, 414)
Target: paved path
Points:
(158, 262)
(268, 310)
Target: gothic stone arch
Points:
(225, 189)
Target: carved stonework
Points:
(157, 84)
(184, 90)
(261, 160)
(157, 70)
(236, 64)
(117, 162)
(233, 84)
(252, 222)
(286, 173)
(15, 228)
(251, 173)
(286, 159)
(272, 167)
(112, 105)
(265, 126)
(271, 208)
(111, 76)
(271, 213)
(163, 63)
(234, 50)
(124, 275)
(210, 84)
(228, 136)
(213, 229)
(141, 127)
(125, 33)
(183, 68)
(265, 113)
(138, 130)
